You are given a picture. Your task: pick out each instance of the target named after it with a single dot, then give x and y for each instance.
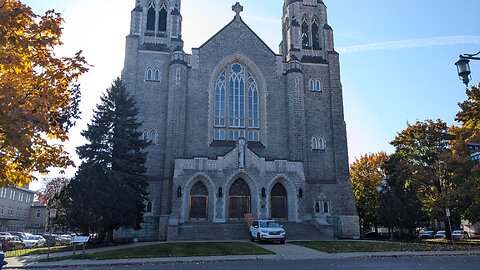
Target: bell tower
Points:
(306, 34)
(158, 23)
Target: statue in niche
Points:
(241, 152)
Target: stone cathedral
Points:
(237, 128)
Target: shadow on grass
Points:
(167, 250)
(383, 246)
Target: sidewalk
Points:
(282, 252)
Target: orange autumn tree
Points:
(38, 95)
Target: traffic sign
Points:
(475, 156)
(473, 146)
(447, 211)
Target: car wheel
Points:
(260, 241)
(282, 241)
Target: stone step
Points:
(212, 231)
(239, 231)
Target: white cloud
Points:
(411, 43)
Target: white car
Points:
(267, 230)
(34, 241)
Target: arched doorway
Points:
(239, 199)
(279, 202)
(199, 202)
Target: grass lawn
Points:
(174, 250)
(379, 246)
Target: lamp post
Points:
(463, 66)
(463, 69)
(384, 188)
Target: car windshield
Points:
(457, 232)
(269, 224)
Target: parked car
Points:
(11, 242)
(34, 241)
(22, 235)
(440, 234)
(427, 235)
(267, 230)
(65, 239)
(459, 234)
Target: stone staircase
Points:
(212, 231)
(237, 230)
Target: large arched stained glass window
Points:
(236, 112)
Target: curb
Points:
(151, 261)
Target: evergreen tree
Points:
(109, 189)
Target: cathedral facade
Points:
(235, 127)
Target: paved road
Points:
(422, 263)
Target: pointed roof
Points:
(237, 19)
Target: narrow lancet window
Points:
(151, 18)
(162, 19)
(305, 35)
(315, 35)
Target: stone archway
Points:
(239, 200)
(199, 202)
(279, 202)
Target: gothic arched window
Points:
(145, 134)
(156, 76)
(314, 143)
(149, 74)
(315, 35)
(311, 85)
(318, 143)
(305, 34)
(151, 17)
(162, 18)
(240, 116)
(153, 136)
(318, 86)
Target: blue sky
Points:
(397, 57)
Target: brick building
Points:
(237, 128)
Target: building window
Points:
(156, 75)
(153, 137)
(314, 85)
(149, 74)
(236, 105)
(151, 17)
(325, 207)
(315, 35)
(305, 34)
(38, 214)
(145, 135)
(162, 18)
(318, 143)
(177, 76)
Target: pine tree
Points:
(110, 184)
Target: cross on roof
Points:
(237, 8)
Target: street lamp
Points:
(384, 189)
(463, 67)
